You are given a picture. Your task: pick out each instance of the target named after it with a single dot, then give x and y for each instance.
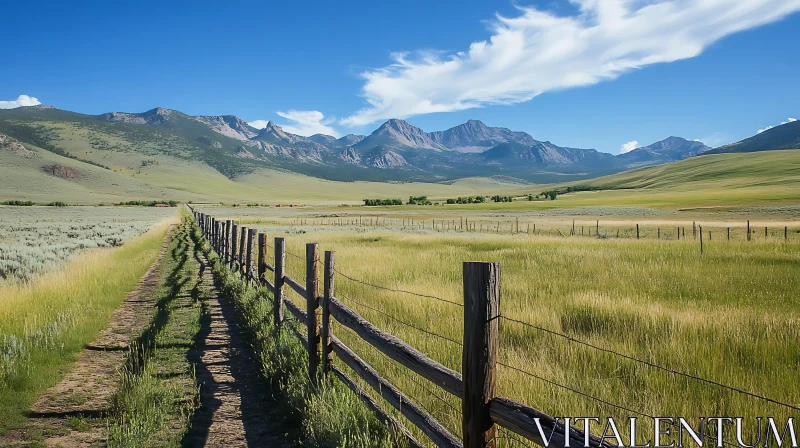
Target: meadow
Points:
(34, 240)
(46, 322)
(730, 314)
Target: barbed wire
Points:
(400, 321)
(651, 364)
(396, 290)
(593, 398)
(430, 392)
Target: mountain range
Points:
(395, 151)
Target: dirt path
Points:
(70, 413)
(235, 412)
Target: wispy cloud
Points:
(788, 120)
(628, 147)
(303, 122)
(539, 51)
(258, 124)
(714, 140)
(22, 100)
(307, 122)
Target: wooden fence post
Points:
(659, 233)
(280, 265)
(729, 233)
(786, 233)
(694, 230)
(327, 286)
(637, 231)
(479, 356)
(749, 234)
(597, 228)
(251, 233)
(262, 256)
(312, 309)
(227, 249)
(678, 230)
(766, 233)
(701, 239)
(242, 254)
(234, 239)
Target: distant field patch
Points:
(601, 211)
(38, 239)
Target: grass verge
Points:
(158, 393)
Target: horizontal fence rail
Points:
(483, 412)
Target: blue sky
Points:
(587, 73)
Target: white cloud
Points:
(539, 51)
(22, 100)
(628, 147)
(788, 120)
(258, 124)
(307, 122)
(714, 140)
(765, 129)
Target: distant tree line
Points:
(467, 200)
(149, 203)
(498, 198)
(31, 203)
(419, 200)
(377, 202)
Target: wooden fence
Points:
(482, 410)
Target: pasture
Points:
(34, 240)
(46, 322)
(730, 314)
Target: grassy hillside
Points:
(26, 177)
(768, 177)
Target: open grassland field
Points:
(45, 323)
(731, 314)
(38, 239)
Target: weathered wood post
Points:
(280, 266)
(729, 233)
(312, 309)
(581, 230)
(262, 256)
(252, 239)
(701, 239)
(597, 228)
(659, 233)
(242, 254)
(749, 234)
(227, 249)
(766, 233)
(637, 231)
(327, 294)
(786, 233)
(479, 355)
(234, 235)
(678, 232)
(694, 230)
(573, 227)
(517, 224)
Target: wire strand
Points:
(396, 290)
(591, 397)
(650, 364)
(401, 321)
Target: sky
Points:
(605, 74)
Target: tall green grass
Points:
(45, 324)
(731, 314)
